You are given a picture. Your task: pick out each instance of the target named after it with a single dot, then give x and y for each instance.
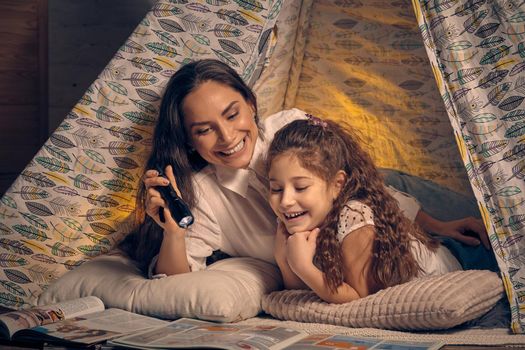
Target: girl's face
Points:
(299, 198)
(220, 124)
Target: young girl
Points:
(340, 232)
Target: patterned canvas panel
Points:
(477, 50)
(75, 199)
(365, 62)
(285, 61)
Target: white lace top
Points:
(356, 214)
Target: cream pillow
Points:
(428, 303)
(229, 290)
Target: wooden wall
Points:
(23, 84)
(50, 52)
(83, 36)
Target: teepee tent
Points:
(374, 64)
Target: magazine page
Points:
(189, 333)
(92, 328)
(13, 321)
(336, 341)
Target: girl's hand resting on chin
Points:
(301, 249)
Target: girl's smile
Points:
(299, 198)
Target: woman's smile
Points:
(223, 130)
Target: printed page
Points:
(333, 341)
(189, 333)
(336, 341)
(14, 321)
(94, 327)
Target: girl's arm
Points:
(300, 253)
(290, 279)
(314, 278)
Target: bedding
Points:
(227, 291)
(422, 304)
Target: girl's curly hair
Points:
(324, 147)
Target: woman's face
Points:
(220, 124)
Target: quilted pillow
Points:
(427, 303)
(229, 290)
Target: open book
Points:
(190, 333)
(82, 321)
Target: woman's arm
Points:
(172, 258)
(467, 230)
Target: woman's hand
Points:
(469, 230)
(301, 250)
(155, 202)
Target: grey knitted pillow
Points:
(426, 303)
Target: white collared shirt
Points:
(232, 212)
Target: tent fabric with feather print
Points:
(331, 58)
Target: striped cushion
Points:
(427, 303)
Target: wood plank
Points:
(20, 137)
(19, 87)
(6, 180)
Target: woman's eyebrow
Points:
(227, 109)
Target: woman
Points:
(211, 145)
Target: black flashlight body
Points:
(178, 208)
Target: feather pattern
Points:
(161, 49)
(107, 115)
(148, 95)
(171, 25)
(142, 79)
(15, 246)
(32, 193)
(250, 5)
(11, 260)
(117, 186)
(62, 250)
(140, 118)
(13, 288)
(146, 64)
(84, 183)
(498, 93)
(491, 148)
(102, 228)
(126, 134)
(30, 232)
(39, 209)
(17, 276)
(35, 221)
(232, 17)
(102, 201)
(126, 162)
(120, 148)
(93, 250)
(57, 153)
(516, 115)
(37, 179)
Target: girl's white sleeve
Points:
(408, 204)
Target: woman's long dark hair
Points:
(171, 147)
(324, 148)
